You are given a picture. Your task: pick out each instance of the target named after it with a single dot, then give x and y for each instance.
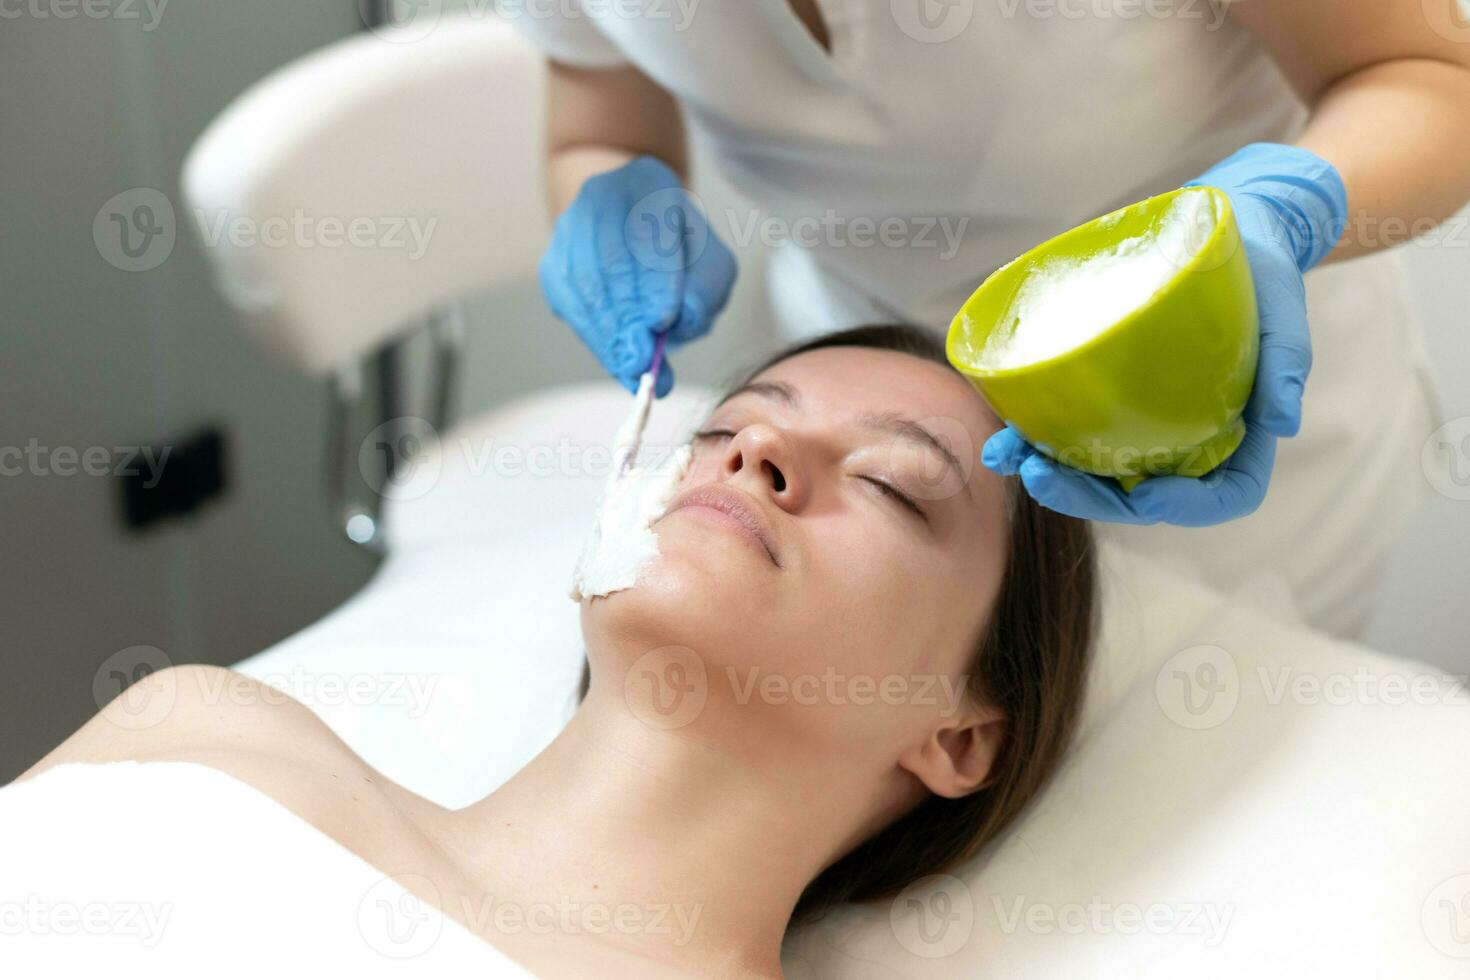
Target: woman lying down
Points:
(821, 531)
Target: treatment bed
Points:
(1246, 797)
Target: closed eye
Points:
(884, 487)
(903, 499)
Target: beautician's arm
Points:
(632, 257)
(1390, 101)
(598, 120)
(1383, 152)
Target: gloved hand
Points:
(1291, 207)
(633, 257)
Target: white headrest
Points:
(348, 194)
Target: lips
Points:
(735, 505)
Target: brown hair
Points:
(1031, 662)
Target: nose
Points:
(763, 462)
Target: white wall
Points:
(1425, 609)
(94, 356)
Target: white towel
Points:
(173, 869)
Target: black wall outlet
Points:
(173, 479)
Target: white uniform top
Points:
(984, 127)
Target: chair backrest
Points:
(347, 195)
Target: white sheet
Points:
(1321, 837)
(172, 869)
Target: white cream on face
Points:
(1063, 303)
(622, 543)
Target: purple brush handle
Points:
(658, 355)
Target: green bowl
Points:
(1160, 391)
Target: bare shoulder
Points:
(268, 740)
(173, 713)
(228, 721)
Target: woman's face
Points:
(832, 553)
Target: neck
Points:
(710, 839)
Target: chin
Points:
(702, 594)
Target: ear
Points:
(956, 758)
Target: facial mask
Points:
(1063, 303)
(622, 542)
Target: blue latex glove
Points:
(633, 257)
(1291, 207)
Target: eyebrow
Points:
(889, 422)
(775, 390)
(914, 432)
